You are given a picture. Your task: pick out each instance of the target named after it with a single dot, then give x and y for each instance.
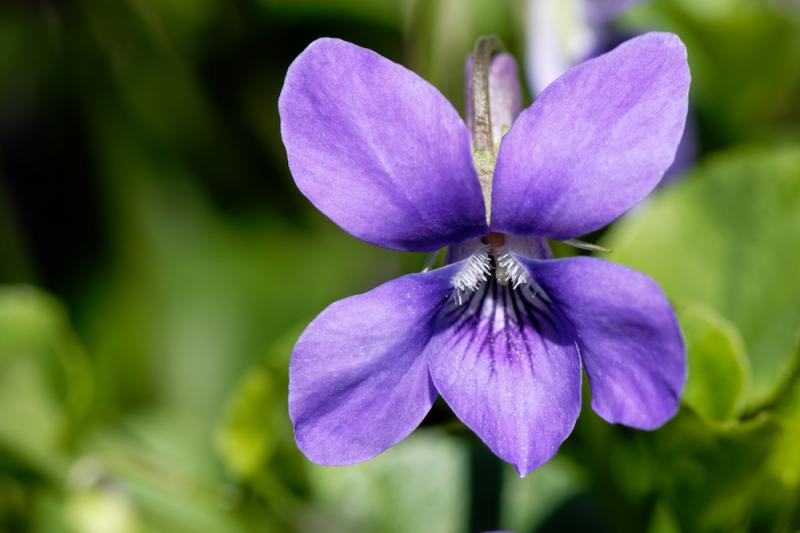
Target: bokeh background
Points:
(157, 265)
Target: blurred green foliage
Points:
(157, 265)
(718, 366)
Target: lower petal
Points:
(503, 363)
(358, 382)
(628, 336)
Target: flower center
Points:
(490, 258)
(494, 239)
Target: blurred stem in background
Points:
(486, 480)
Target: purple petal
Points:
(358, 383)
(686, 154)
(595, 142)
(630, 342)
(505, 98)
(502, 362)
(378, 149)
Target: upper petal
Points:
(378, 149)
(510, 371)
(628, 335)
(357, 381)
(595, 142)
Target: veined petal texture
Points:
(595, 142)
(358, 380)
(378, 149)
(629, 339)
(509, 369)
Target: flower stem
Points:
(483, 154)
(486, 487)
(485, 48)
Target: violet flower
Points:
(502, 330)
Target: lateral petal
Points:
(629, 339)
(358, 382)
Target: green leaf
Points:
(711, 477)
(718, 370)
(256, 419)
(724, 237)
(244, 439)
(45, 380)
(777, 509)
(785, 460)
(418, 485)
(254, 437)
